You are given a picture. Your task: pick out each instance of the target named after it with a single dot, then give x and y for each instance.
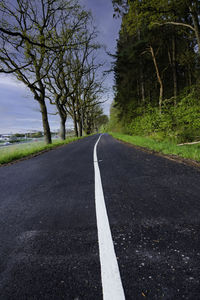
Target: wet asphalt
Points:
(48, 235)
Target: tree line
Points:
(50, 46)
(157, 66)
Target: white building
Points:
(5, 137)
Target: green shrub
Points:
(179, 123)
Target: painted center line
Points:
(110, 275)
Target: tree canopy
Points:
(157, 65)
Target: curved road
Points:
(49, 245)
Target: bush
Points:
(180, 123)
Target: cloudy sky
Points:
(19, 112)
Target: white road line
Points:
(110, 276)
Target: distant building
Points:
(5, 137)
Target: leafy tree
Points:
(156, 58)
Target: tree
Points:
(72, 77)
(83, 82)
(156, 58)
(182, 13)
(27, 31)
(57, 80)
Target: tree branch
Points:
(175, 23)
(14, 70)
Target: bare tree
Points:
(72, 78)
(27, 42)
(57, 81)
(84, 82)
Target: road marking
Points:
(110, 275)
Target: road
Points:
(49, 234)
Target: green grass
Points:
(14, 152)
(165, 147)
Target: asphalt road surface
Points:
(49, 243)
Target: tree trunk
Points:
(195, 19)
(62, 128)
(88, 130)
(45, 122)
(150, 95)
(138, 91)
(142, 86)
(80, 127)
(159, 79)
(76, 129)
(79, 122)
(75, 124)
(189, 77)
(174, 69)
(63, 117)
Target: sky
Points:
(19, 112)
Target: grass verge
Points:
(16, 152)
(165, 147)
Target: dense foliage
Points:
(157, 69)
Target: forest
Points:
(157, 69)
